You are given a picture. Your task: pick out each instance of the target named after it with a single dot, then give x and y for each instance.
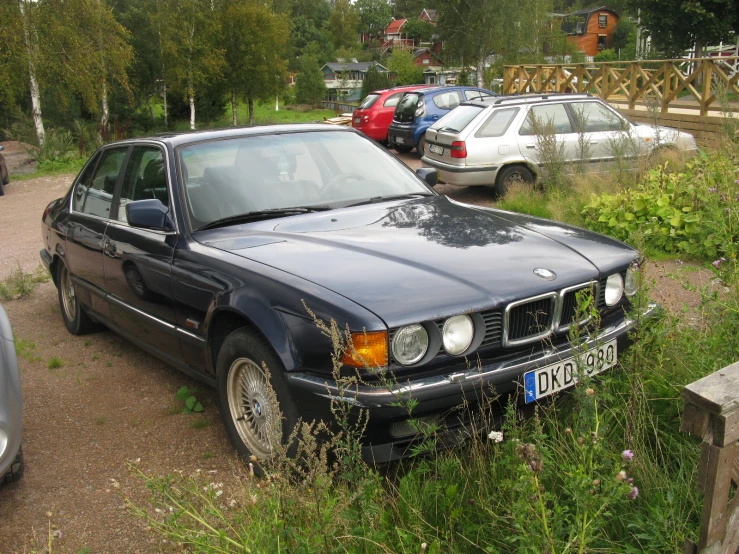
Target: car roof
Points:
(178, 138)
(401, 88)
(524, 99)
(435, 89)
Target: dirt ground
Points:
(110, 403)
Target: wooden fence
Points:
(708, 131)
(340, 107)
(663, 82)
(712, 414)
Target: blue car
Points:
(419, 109)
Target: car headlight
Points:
(410, 344)
(614, 289)
(631, 283)
(457, 334)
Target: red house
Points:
(591, 30)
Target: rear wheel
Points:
(75, 318)
(512, 176)
(16, 469)
(421, 148)
(257, 408)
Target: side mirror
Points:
(149, 214)
(428, 174)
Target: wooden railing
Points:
(712, 413)
(661, 81)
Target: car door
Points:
(609, 138)
(556, 115)
(386, 111)
(92, 201)
(138, 262)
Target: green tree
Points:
(374, 15)
(402, 64)
(190, 38)
(309, 85)
(374, 80)
(255, 41)
(678, 25)
(408, 8)
(343, 24)
(418, 29)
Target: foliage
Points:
(19, 284)
(694, 213)
(419, 29)
(374, 80)
(343, 24)
(187, 397)
(402, 64)
(622, 35)
(309, 85)
(374, 16)
(608, 55)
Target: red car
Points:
(375, 114)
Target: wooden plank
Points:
(667, 70)
(716, 393)
(706, 92)
(632, 86)
(726, 428)
(695, 421)
(716, 494)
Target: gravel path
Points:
(110, 403)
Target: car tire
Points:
(510, 175)
(16, 470)
(402, 149)
(75, 318)
(250, 403)
(421, 145)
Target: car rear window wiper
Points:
(452, 129)
(262, 214)
(376, 199)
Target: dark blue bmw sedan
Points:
(208, 249)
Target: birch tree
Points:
(189, 46)
(29, 20)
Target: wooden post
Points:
(712, 413)
(633, 86)
(604, 81)
(667, 85)
(580, 74)
(558, 78)
(706, 94)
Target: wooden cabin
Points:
(591, 30)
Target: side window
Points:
(475, 94)
(593, 117)
(99, 195)
(498, 123)
(545, 115)
(447, 100)
(393, 100)
(145, 178)
(83, 183)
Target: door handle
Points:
(109, 249)
(532, 146)
(593, 142)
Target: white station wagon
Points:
(492, 142)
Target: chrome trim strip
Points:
(163, 324)
(190, 337)
(563, 293)
(453, 384)
(553, 325)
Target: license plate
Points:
(399, 140)
(357, 120)
(553, 378)
(436, 149)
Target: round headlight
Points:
(614, 289)
(410, 344)
(457, 334)
(631, 283)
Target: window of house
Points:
(426, 61)
(602, 21)
(602, 42)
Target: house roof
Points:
(421, 51)
(588, 11)
(362, 67)
(394, 26)
(432, 15)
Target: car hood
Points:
(426, 258)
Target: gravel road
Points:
(110, 403)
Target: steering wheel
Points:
(342, 177)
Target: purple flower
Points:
(630, 480)
(718, 262)
(713, 189)
(633, 493)
(627, 454)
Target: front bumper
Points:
(441, 393)
(401, 135)
(466, 176)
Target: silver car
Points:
(11, 406)
(496, 142)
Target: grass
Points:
(200, 423)
(55, 363)
(20, 284)
(26, 349)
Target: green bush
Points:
(695, 213)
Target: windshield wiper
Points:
(262, 214)
(452, 129)
(376, 199)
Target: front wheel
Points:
(15, 471)
(75, 318)
(256, 406)
(511, 176)
(421, 148)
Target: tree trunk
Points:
(192, 111)
(234, 108)
(34, 88)
(106, 111)
(164, 94)
(250, 102)
(481, 72)
(698, 54)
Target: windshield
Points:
(406, 108)
(369, 100)
(457, 119)
(226, 178)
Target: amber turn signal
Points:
(367, 349)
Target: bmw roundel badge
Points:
(547, 274)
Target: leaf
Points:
(183, 393)
(198, 407)
(190, 402)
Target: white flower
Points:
(496, 436)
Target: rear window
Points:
(498, 123)
(369, 100)
(447, 100)
(393, 100)
(457, 119)
(408, 104)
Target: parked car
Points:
(11, 406)
(374, 115)
(3, 172)
(418, 109)
(492, 142)
(206, 248)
